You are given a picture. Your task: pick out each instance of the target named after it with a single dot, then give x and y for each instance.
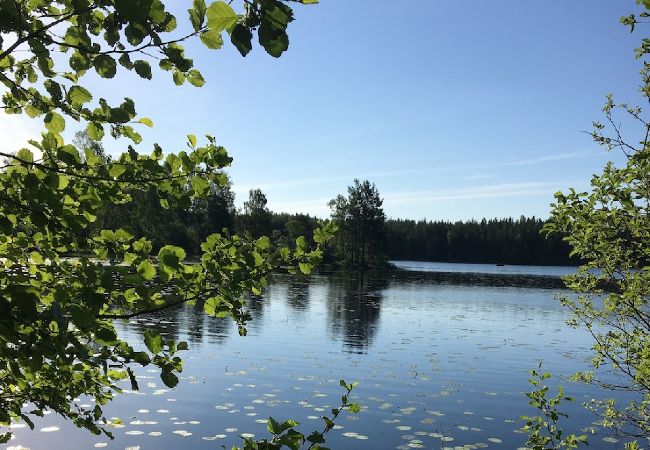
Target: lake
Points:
(427, 266)
(439, 365)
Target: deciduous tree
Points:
(609, 228)
(57, 338)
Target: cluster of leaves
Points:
(103, 35)
(543, 430)
(285, 434)
(56, 312)
(59, 297)
(609, 228)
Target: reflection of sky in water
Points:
(434, 361)
(426, 266)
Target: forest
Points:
(152, 232)
(498, 241)
(494, 241)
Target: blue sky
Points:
(455, 110)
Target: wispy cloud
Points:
(304, 182)
(476, 192)
(318, 206)
(541, 159)
(479, 176)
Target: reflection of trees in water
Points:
(193, 322)
(354, 303)
(298, 293)
(255, 305)
(190, 319)
(166, 322)
(219, 328)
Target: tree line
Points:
(498, 241)
(365, 237)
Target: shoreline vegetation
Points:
(365, 238)
(392, 272)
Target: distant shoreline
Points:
(481, 279)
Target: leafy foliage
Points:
(544, 432)
(59, 297)
(184, 224)
(56, 312)
(106, 36)
(285, 434)
(609, 228)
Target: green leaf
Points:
(106, 335)
(69, 154)
(105, 66)
(241, 38)
(199, 7)
(146, 121)
(263, 243)
(153, 341)
(182, 345)
(192, 139)
(195, 78)
(134, 10)
(82, 317)
(146, 270)
(36, 258)
(273, 426)
(79, 62)
(25, 155)
(171, 256)
(62, 182)
(197, 14)
(53, 327)
(221, 16)
(301, 243)
(125, 61)
(212, 39)
(214, 306)
(95, 131)
(78, 95)
(320, 236)
(258, 260)
(275, 42)
(178, 77)
(272, 31)
(54, 122)
(117, 169)
(32, 111)
(200, 185)
(142, 68)
(305, 268)
(169, 379)
(141, 358)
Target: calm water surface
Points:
(426, 266)
(438, 365)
